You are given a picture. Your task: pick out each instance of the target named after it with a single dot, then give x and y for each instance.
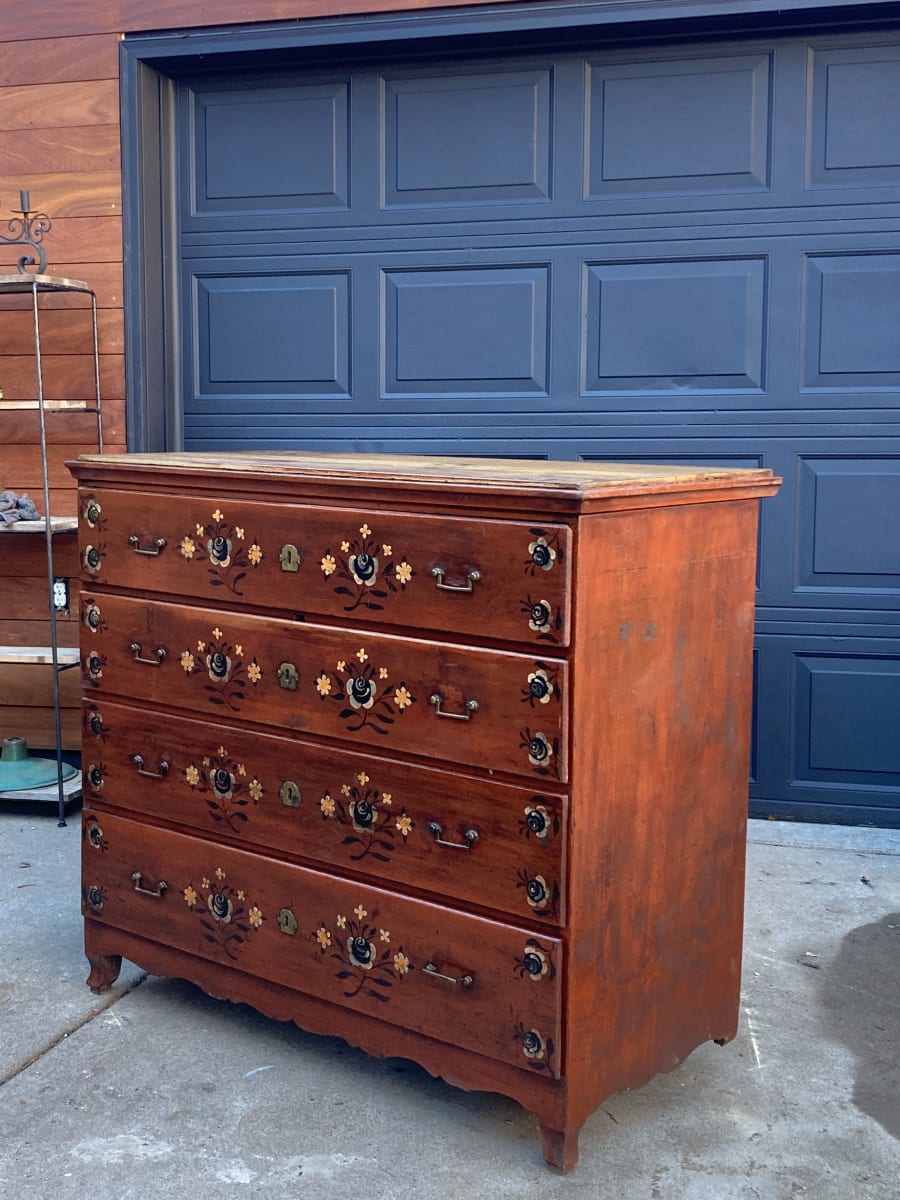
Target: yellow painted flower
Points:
(190, 896)
(362, 779)
(382, 672)
(341, 665)
(364, 530)
(327, 805)
(345, 546)
(192, 775)
(241, 770)
(206, 762)
(220, 874)
(255, 917)
(254, 672)
(404, 572)
(345, 789)
(360, 912)
(384, 934)
(402, 697)
(387, 798)
(221, 752)
(401, 963)
(200, 530)
(341, 921)
(239, 531)
(187, 661)
(387, 551)
(323, 937)
(255, 554)
(361, 655)
(241, 894)
(323, 685)
(255, 789)
(188, 547)
(201, 646)
(218, 515)
(328, 564)
(405, 824)
(204, 883)
(217, 633)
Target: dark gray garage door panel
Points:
(673, 254)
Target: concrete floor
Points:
(158, 1092)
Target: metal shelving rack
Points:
(39, 285)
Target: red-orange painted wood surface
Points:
(645, 946)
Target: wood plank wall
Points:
(59, 138)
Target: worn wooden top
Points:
(308, 475)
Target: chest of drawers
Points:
(446, 757)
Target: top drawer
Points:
(453, 574)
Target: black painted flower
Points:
(92, 617)
(542, 553)
(540, 617)
(536, 819)
(535, 962)
(539, 686)
(539, 750)
(536, 891)
(92, 558)
(533, 1044)
(363, 815)
(92, 513)
(219, 550)
(218, 665)
(94, 665)
(222, 783)
(220, 907)
(361, 952)
(361, 692)
(363, 568)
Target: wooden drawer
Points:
(507, 577)
(346, 942)
(488, 708)
(473, 840)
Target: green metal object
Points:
(20, 771)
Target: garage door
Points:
(688, 253)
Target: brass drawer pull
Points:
(471, 577)
(160, 773)
(157, 891)
(135, 649)
(431, 970)
(156, 546)
(437, 701)
(471, 836)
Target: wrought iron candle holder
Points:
(28, 230)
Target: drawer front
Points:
(486, 708)
(487, 987)
(477, 841)
(508, 578)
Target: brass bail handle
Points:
(160, 773)
(156, 892)
(135, 649)
(436, 830)
(472, 577)
(432, 972)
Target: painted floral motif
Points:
(92, 557)
(94, 836)
(543, 898)
(223, 662)
(365, 571)
(224, 784)
(95, 896)
(368, 696)
(543, 753)
(94, 663)
(226, 916)
(537, 1048)
(224, 546)
(535, 962)
(368, 962)
(541, 820)
(93, 514)
(544, 551)
(542, 619)
(93, 618)
(541, 686)
(368, 816)
(94, 722)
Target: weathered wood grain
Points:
(31, 685)
(67, 331)
(65, 377)
(104, 277)
(66, 428)
(36, 725)
(49, 105)
(72, 240)
(22, 558)
(50, 151)
(35, 633)
(58, 59)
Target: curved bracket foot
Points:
(105, 970)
